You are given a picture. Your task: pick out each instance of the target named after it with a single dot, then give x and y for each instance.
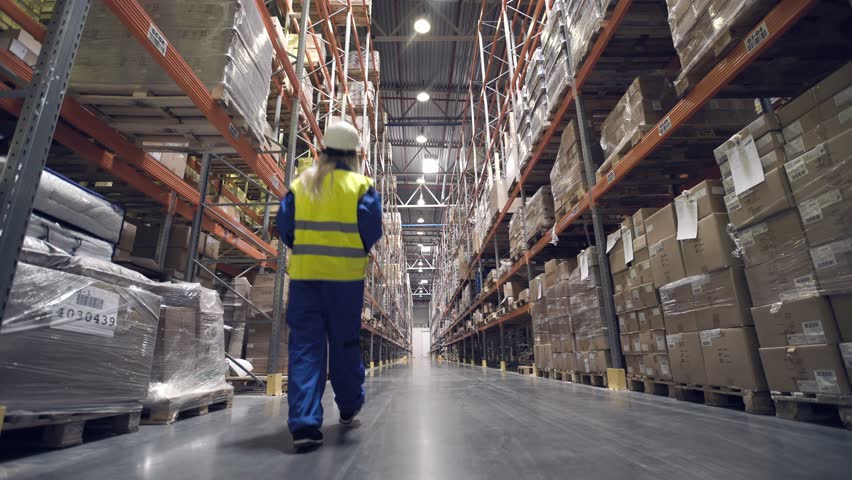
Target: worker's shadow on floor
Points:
(335, 435)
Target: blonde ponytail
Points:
(313, 177)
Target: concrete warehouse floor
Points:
(434, 421)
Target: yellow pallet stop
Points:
(616, 379)
(275, 384)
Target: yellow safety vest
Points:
(327, 244)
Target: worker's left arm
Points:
(370, 218)
(286, 219)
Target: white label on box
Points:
(641, 316)
(797, 339)
(795, 147)
(637, 347)
(661, 343)
(746, 238)
(655, 249)
(584, 266)
(823, 257)
(732, 202)
(843, 97)
(745, 164)
(814, 331)
(830, 198)
(697, 283)
(810, 211)
(686, 208)
(675, 340)
(846, 353)
(707, 336)
(612, 239)
(805, 281)
(808, 386)
(756, 38)
(664, 366)
(665, 126)
(656, 311)
(157, 39)
(649, 371)
(91, 311)
(827, 381)
(628, 246)
(649, 227)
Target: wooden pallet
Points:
(662, 388)
(168, 410)
(592, 379)
(755, 402)
(526, 369)
(626, 145)
(162, 114)
(817, 408)
(249, 385)
(61, 430)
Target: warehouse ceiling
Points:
(437, 62)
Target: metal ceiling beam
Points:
(425, 39)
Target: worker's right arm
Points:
(286, 219)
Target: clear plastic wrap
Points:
(71, 344)
(224, 42)
(718, 299)
(538, 214)
(61, 199)
(567, 178)
(517, 236)
(644, 104)
(586, 301)
(68, 239)
(583, 19)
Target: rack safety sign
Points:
(755, 38)
(157, 39)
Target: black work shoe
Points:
(348, 419)
(306, 438)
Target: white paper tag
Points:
(814, 331)
(827, 381)
(810, 211)
(584, 266)
(91, 311)
(823, 257)
(661, 343)
(612, 239)
(675, 340)
(628, 246)
(664, 366)
(707, 336)
(732, 202)
(686, 208)
(745, 164)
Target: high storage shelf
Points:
(606, 60)
(261, 165)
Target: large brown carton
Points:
(828, 216)
(825, 123)
(666, 261)
(805, 321)
(722, 299)
(833, 266)
(713, 248)
(593, 362)
(784, 278)
(841, 306)
(628, 322)
(825, 167)
(709, 196)
(639, 220)
(823, 115)
(824, 90)
(651, 319)
(658, 366)
(772, 160)
(679, 306)
(686, 358)
(619, 281)
(644, 296)
(771, 196)
(731, 358)
(779, 236)
(761, 127)
(681, 322)
(616, 259)
(640, 273)
(660, 225)
(806, 368)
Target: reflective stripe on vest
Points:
(327, 243)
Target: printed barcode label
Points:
(656, 105)
(158, 40)
(732, 202)
(755, 38)
(830, 198)
(232, 130)
(92, 311)
(610, 177)
(707, 336)
(814, 331)
(825, 259)
(674, 340)
(827, 381)
(575, 210)
(797, 339)
(746, 239)
(665, 126)
(810, 211)
(664, 366)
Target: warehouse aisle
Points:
(431, 421)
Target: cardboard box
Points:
(616, 259)
(713, 248)
(653, 341)
(782, 279)
(681, 322)
(639, 221)
(806, 368)
(631, 363)
(666, 261)
(846, 353)
(731, 358)
(824, 114)
(639, 243)
(127, 237)
(827, 217)
(826, 122)
(759, 128)
(722, 300)
(779, 236)
(597, 342)
(656, 366)
(772, 160)
(686, 358)
(825, 167)
(805, 321)
(833, 265)
(628, 322)
(565, 267)
(620, 302)
(824, 90)
(640, 255)
(550, 265)
(593, 362)
(660, 225)
(651, 319)
(841, 307)
(760, 202)
(640, 273)
(644, 296)
(709, 196)
(619, 281)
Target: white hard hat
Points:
(342, 136)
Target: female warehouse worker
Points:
(330, 219)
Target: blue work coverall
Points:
(321, 313)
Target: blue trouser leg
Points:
(344, 301)
(306, 375)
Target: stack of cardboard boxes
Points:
(792, 211)
(538, 213)
(567, 179)
(236, 314)
(591, 333)
(637, 304)
(552, 328)
(258, 334)
(555, 40)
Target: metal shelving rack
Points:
(261, 168)
(490, 105)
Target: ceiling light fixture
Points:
(423, 97)
(421, 180)
(419, 270)
(421, 139)
(421, 233)
(420, 263)
(424, 282)
(421, 25)
(420, 220)
(420, 202)
(430, 165)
